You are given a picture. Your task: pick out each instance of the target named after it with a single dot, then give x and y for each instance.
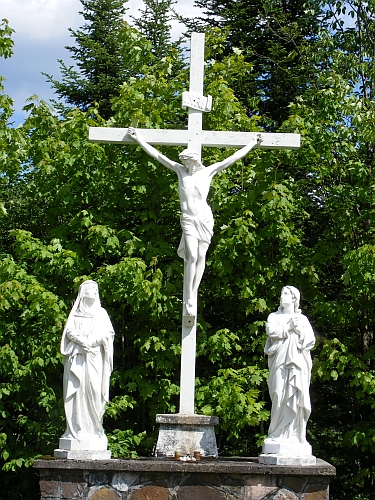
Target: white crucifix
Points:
(194, 182)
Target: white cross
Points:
(194, 138)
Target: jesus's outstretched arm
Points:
(216, 167)
(151, 151)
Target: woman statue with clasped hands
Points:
(289, 340)
(87, 345)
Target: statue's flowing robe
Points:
(200, 227)
(289, 362)
(86, 374)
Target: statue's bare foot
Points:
(191, 308)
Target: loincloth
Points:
(199, 227)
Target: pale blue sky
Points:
(41, 33)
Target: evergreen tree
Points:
(98, 58)
(277, 37)
(154, 24)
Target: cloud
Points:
(41, 19)
(41, 33)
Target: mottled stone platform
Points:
(165, 479)
(186, 434)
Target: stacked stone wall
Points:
(157, 479)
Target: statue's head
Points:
(88, 293)
(190, 161)
(89, 289)
(294, 294)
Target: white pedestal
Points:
(89, 448)
(186, 434)
(82, 454)
(286, 453)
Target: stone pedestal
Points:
(186, 434)
(93, 448)
(168, 479)
(286, 453)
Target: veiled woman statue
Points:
(289, 341)
(87, 344)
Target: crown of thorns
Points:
(188, 154)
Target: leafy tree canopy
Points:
(77, 210)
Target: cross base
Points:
(186, 434)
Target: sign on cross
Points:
(194, 183)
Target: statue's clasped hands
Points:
(294, 324)
(85, 345)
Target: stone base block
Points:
(83, 454)
(287, 447)
(186, 434)
(89, 448)
(94, 443)
(274, 459)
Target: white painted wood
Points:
(161, 137)
(222, 139)
(196, 63)
(187, 374)
(195, 119)
(189, 333)
(219, 139)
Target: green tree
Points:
(277, 38)
(110, 213)
(154, 24)
(6, 50)
(12, 141)
(336, 118)
(99, 70)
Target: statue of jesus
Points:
(197, 222)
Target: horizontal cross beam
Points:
(220, 139)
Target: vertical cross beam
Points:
(188, 355)
(189, 323)
(196, 87)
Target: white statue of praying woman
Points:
(197, 222)
(290, 338)
(87, 345)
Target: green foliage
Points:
(97, 56)
(11, 140)
(6, 42)
(233, 395)
(337, 184)
(30, 393)
(154, 24)
(123, 443)
(277, 38)
(77, 210)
